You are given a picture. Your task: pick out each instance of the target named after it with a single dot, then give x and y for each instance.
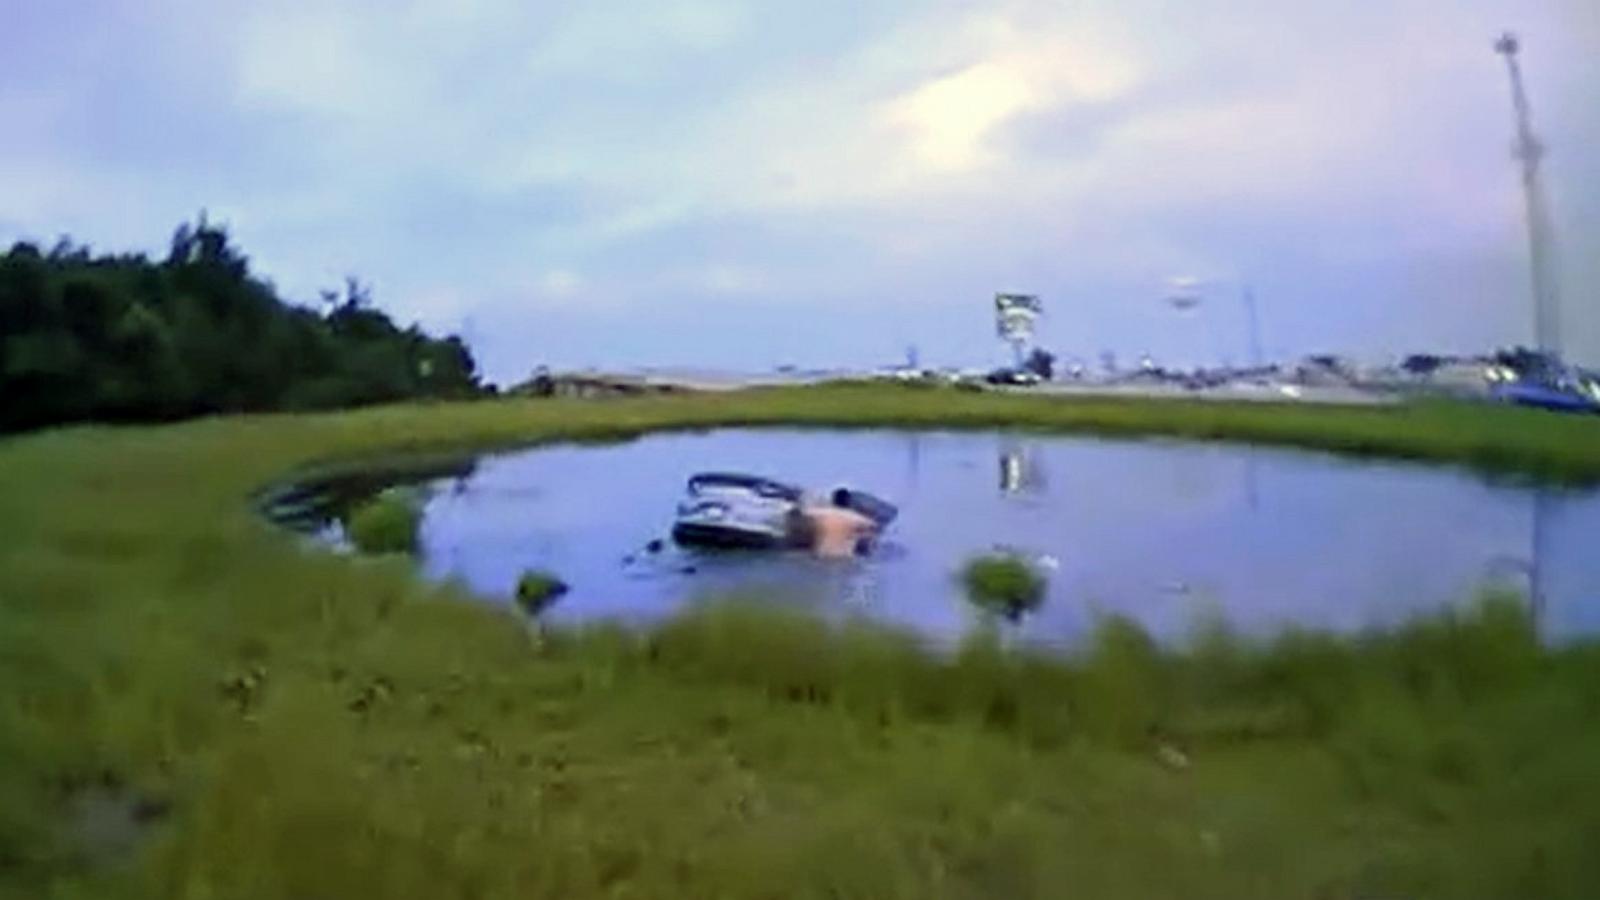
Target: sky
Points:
(733, 184)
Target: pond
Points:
(1167, 533)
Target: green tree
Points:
(124, 338)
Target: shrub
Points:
(537, 589)
(388, 523)
(1004, 583)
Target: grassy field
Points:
(194, 706)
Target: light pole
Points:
(1529, 152)
(1253, 323)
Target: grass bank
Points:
(196, 707)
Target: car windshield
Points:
(721, 483)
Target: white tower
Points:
(1528, 152)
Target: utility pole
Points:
(1529, 152)
(1185, 292)
(1254, 324)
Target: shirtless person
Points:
(832, 530)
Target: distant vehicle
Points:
(1013, 377)
(1542, 380)
(905, 374)
(1557, 398)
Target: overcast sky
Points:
(740, 184)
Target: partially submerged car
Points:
(725, 509)
(734, 510)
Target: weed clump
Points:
(1004, 583)
(537, 589)
(388, 523)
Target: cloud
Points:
(560, 283)
(638, 40)
(730, 279)
(952, 116)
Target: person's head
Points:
(841, 496)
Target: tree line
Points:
(126, 338)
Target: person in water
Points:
(833, 529)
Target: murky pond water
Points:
(1164, 532)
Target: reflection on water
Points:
(1537, 589)
(1020, 470)
(1163, 532)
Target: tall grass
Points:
(1119, 689)
(282, 723)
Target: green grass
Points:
(1003, 583)
(388, 523)
(267, 721)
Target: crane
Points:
(1528, 151)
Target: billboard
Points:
(1014, 315)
